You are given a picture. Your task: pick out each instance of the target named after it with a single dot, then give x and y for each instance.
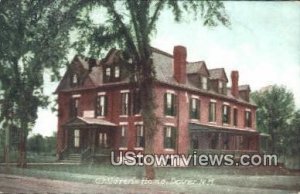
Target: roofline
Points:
(161, 52)
(214, 95)
(208, 94)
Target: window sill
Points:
(212, 122)
(100, 117)
(168, 116)
(138, 148)
(169, 149)
(137, 115)
(195, 120)
(225, 124)
(123, 148)
(124, 116)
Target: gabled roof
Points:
(90, 69)
(82, 121)
(197, 67)
(244, 87)
(218, 73)
(163, 63)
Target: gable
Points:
(81, 67)
(218, 74)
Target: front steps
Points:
(72, 158)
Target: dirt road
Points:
(19, 184)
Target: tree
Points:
(274, 112)
(33, 38)
(37, 143)
(291, 142)
(130, 25)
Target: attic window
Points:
(107, 72)
(74, 79)
(117, 71)
(204, 83)
(222, 87)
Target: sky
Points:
(262, 43)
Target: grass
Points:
(229, 177)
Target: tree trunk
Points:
(148, 113)
(22, 146)
(6, 147)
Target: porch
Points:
(217, 140)
(87, 139)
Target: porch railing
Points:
(86, 154)
(63, 153)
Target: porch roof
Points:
(197, 127)
(83, 121)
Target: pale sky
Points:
(263, 44)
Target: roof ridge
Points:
(154, 49)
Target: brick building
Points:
(99, 109)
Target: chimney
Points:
(179, 64)
(235, 83)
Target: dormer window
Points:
(112, 73)
(204, 83)
(222, 87)
(117, 71)
(108, 72)
(74, 80)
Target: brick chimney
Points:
(179, 64)
(235, 83)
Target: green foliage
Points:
(40, 144)
(274, 113)
(291, 142)
(130, 25)
(34, 37)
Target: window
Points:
(76, 138)
(204, 83)
(101, 105)
(125, 103)
(107, 74)
(123, 140)
(226, 114)
(169, 137)
(117, 71)
(235, 117)
(220, 88)
(74, 106)
(194, 108)
(140, 136)
(212, 112)
(170, 104)
(136, 102)
(248, 120)
(74, 80)
(103, 140)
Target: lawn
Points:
(173, 179)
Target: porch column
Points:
(93, 138)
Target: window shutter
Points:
(105, 105)
(174, 103)
(130, 103)
(165, 104)
(245, 119)
(190, 106)
(165, 137)
(198, 109)
(96, 106)
(173, 137)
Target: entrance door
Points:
(76, 140)
(102, 140)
